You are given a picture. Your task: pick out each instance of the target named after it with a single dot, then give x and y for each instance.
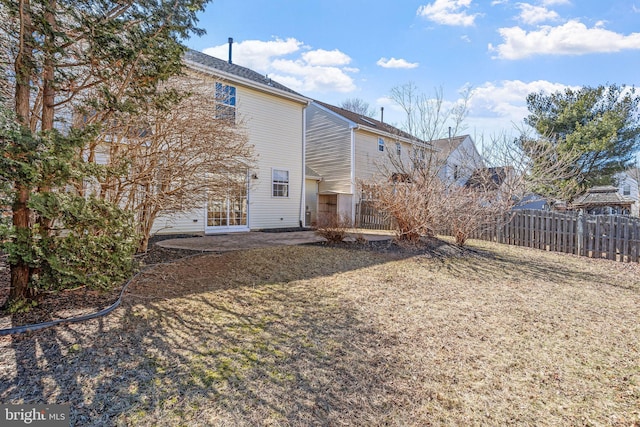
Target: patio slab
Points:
(255, 239)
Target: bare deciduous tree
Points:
(171, 158)
(358, 106)
(430, 117)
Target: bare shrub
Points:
(333, 227)
(411, 202)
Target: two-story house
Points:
(271, 193)
(344, 148)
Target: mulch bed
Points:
(80, 301)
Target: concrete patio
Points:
(256, 239)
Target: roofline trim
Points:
(247, 82)
(352, 124)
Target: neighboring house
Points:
(532, 202)
(627, 184)
(489, 179)
(344, 148)
(603, 200)
(271, 194)
(458, 158)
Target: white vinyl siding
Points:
(328, 150)
(369, 160)
(275, 128)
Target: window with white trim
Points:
(398, 149)
(380, 144)
(626, 190)
(225, 102)
(280, 183)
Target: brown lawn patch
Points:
(316, 335)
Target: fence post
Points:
(580, 234)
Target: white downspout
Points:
(353, 175)
(304, 180)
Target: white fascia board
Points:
(352, 124)
(246, 82)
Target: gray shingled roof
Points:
(233, 69)
(602, 196)
(368, 121)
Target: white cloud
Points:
(303, 77)
(555, 2)
(572, 38)
(293, 64)
(448, 12)
(256, 54)
(500, 107)
(530, 14)
(396, 63)
(323, 57)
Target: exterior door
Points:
(228, 208)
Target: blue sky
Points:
(332, 50)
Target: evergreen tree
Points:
(66, 58)
(600, 125)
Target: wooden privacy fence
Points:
(370, 218)
(612, 237)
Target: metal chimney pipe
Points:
(230, 44)
(382, 114)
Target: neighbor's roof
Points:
(606, 195)
(235, 70)
(446, 146)
(369, 122)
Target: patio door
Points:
(228, 207)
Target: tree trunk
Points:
(20, 271)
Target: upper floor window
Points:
(280, 183)
(456, 171)
(626, 190)
(380, 144)
(225, 102)
(398, 148)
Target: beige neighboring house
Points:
(457, 158)
(343, 148)
(271, 194)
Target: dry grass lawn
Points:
(327, 336)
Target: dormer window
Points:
(225, 102)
